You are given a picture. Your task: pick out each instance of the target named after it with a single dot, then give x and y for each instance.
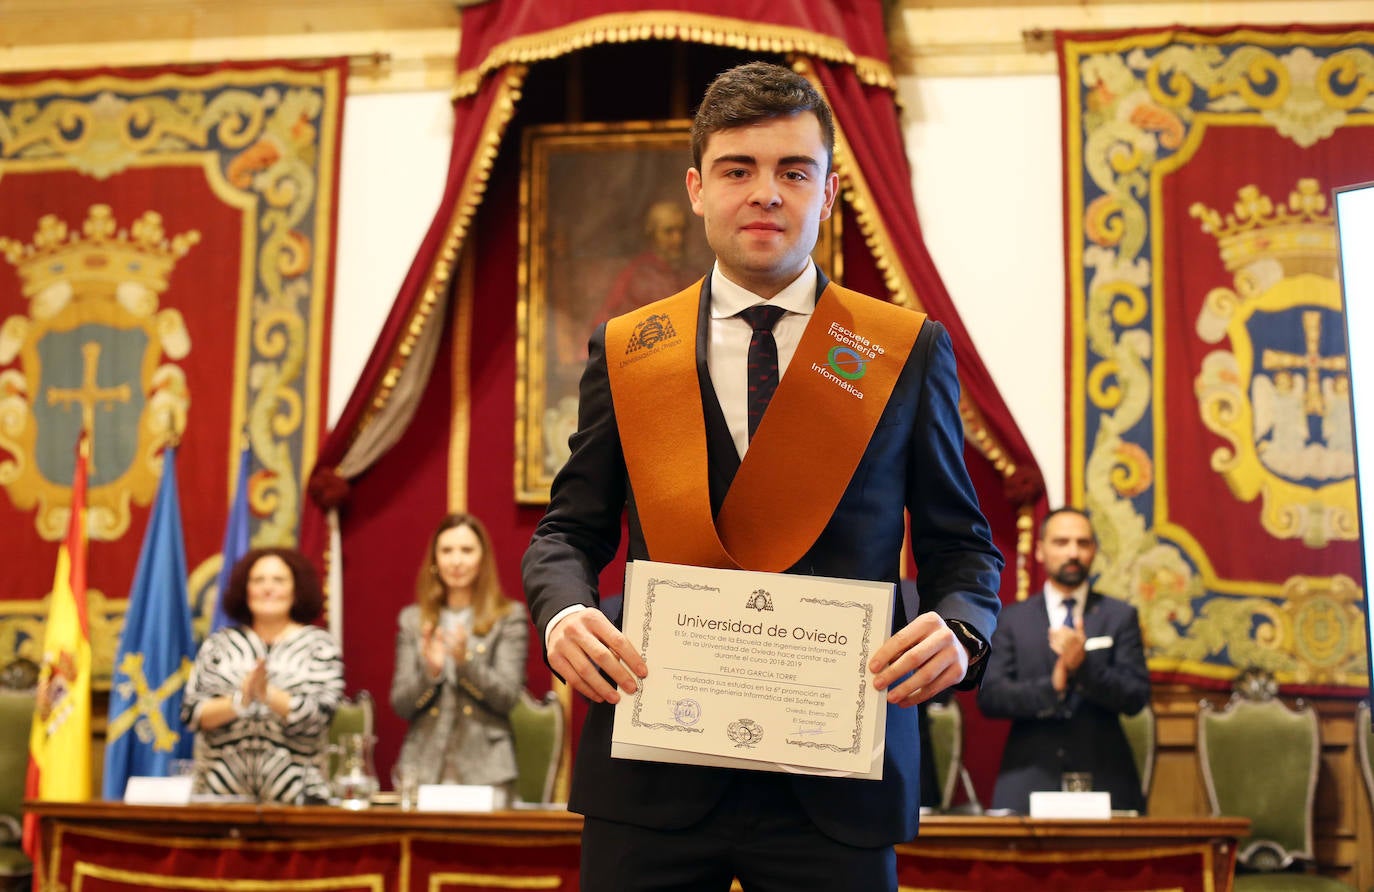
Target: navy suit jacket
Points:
(914, 461)
(1081, 731)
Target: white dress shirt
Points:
(1054, 604)
(727, 356)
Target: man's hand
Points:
(928, 649)
(583, 645)
(1069, 645)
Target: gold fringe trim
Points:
(982, 438)
(460, 405)
(860, 200)
(672, 25)
(465, 208)
(1025, 539)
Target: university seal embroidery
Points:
(651, 332)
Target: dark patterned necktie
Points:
(763, 360)
(1069, 604)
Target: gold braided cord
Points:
(464, 209)
(460, 409)
(689, 27)
(983, 439)
(900, 288)
(1025, 539)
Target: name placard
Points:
(158, 790)
(1054, 804)
(458, 797)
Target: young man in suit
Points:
(1065, 664)
(671, 424)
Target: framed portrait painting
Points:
(605, 228)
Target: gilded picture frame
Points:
(605, 227)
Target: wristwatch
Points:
(977, 648)
(237, 701)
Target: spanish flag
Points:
(60, 742)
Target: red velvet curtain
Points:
(326, 489)
(387, 517)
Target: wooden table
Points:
(1025, 855)
(112, 847)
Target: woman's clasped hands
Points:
(437, 643)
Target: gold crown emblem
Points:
(1300, 235)
(101, 255)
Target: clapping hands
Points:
(1068, 644)
(255, 684)
(437, 643)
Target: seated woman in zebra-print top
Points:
(263, 691)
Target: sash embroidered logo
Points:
(843, 365)
(651, 332)
(846, 362)
(848, 359)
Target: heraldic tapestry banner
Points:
(1210, 432)
(169, 241)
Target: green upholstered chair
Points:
(947, 746)
(1140, 734)
(16, 717)
(538, 728)
(1256, 734)
(19, 674)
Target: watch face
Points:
(975, 646)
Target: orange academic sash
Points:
(803, 454)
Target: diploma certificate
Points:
(767, 671)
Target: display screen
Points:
(1355, 232)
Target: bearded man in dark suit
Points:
(1066, 664)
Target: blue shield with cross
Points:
(89, 377)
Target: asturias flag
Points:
(155, 652)
(60, 742)
(235, 540)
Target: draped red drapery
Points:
(389, 496)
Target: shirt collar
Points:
(1054, 601)
(727, 298)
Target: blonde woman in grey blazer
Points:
(460, 662)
